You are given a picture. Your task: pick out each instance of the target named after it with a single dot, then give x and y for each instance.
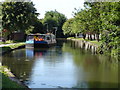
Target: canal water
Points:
(65, 65)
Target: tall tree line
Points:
(98, 18)
(22, 17)
(18, 17)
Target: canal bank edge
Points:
(85, 41)
(12, 81)
(11, 76)
(90, 43)
(95, 44)
(7, 48)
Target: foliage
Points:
(54, 19)
(18, 16)
(67, 26)
(29, 30)
(98, 18)
(110, 27)
(0, 17)
(38, 27)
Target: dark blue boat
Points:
(40, 40)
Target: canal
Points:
(65, 65)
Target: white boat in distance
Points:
(40, 40)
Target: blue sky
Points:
(65, 7)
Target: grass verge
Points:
(15, 45)
(11, 41)
(94, 41)
(6, 82)
(10, 47)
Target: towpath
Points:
(2, 45)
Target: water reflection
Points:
(83, 45)
(17, 62)
(67, 65)
(98, 70)
(29, 53)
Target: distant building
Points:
(18, 36)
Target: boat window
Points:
(53, 37)
(48, 38)
(30, 38)
(42, 36)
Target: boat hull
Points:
(29, 45)
(39, 45)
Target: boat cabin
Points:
(40, 40)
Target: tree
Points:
(18, 16)
(67, 27)
(0, 18)
(54, 19)
(95, 22)
(111, 27)
(98, 18)
(38, 27)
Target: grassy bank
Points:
(16, 45)
(10, 41)
(7, 48)
(7, 42)
(8, 83)
(100, 50)
(93, 41)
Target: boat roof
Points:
(40, 34)
(36, 34)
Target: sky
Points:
(65, 7)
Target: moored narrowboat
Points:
(40, 40)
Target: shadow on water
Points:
(66, 65)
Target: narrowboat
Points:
(40, 40)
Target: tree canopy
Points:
(98, 18)
(18, 16)
(54, 19)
